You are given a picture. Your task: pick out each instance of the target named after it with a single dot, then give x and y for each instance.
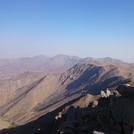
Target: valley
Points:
(27, 96)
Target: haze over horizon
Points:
(72, 27)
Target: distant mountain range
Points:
(32, 87)
(59, 63)
(56, 64)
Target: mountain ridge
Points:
(40, 63)
(49, 91)
(30, 95)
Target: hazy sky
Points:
(85, 28)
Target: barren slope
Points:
(87, 114)
(27, 97)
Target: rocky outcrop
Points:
(110, 113)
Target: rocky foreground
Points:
(111, 112)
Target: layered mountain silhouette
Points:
(59, 63)
(32, 87)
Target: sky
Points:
(84, 28)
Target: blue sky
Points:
(85, 28)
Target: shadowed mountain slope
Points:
(28, 96)
(109, 114)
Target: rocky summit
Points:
(111, 112)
